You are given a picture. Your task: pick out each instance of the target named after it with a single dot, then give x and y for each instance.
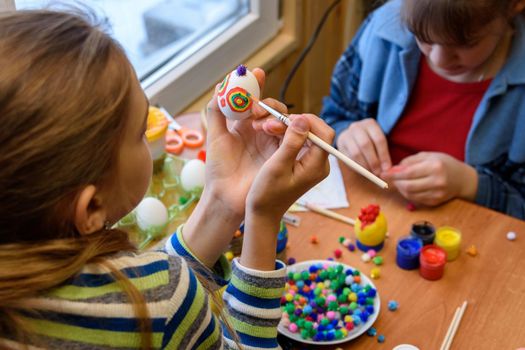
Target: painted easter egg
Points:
(151, 213)
(233, 93)
(192, 176)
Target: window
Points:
(180, 48)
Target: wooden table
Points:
(493, 282)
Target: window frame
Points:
(181, 85)
(177, 86)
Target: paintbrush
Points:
(325, 146)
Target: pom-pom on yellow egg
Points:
(233, 93)
(371, 233)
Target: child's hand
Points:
(290, 172)
(432, 178)
(235, 153)
(365, 142)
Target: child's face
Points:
(134, 163)
(467, 62)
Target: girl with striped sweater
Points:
(75, 160)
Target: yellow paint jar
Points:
(157, 125)
(449, 238)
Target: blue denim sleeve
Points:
(342, 106)
(501, 187)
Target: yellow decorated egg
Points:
(370, 226)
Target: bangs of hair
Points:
(452, 22)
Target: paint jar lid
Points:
(405, 347)
(433, 257)
(409, 246)
(423, 230)
(447, 236)
(157, 124)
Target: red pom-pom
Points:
(202, 155)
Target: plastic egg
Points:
(233, 97)
(151, 213)
(192, 176)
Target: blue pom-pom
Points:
(393, 305)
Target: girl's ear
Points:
(90, 215)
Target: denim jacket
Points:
(374, 78)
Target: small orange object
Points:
(314, 239)
(237, 234)
(472, 251)
(357, 279)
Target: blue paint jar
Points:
(408, 249)
(423, 230)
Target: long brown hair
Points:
(64, 91)
(452, 21)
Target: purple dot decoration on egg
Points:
(241, 70)
(234, 91)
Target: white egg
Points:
(151, 213)
(233, 97)
(192, 176)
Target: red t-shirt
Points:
(437, 117)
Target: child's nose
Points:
(442, 56)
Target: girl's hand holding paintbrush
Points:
(252, 175)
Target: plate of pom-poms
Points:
(327, 302)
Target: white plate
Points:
(354, 333)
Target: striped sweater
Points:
(91, 311)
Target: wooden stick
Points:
(204, 122)
(330, 214)
(456, 325)
(325, 146)
(449, 330)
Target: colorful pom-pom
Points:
(365, 257)
(241, 70)
(393, 305)
(375, 273)
(378, 260)
(229, 255)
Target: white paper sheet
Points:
(329, 193)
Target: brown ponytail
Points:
(64, 90)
